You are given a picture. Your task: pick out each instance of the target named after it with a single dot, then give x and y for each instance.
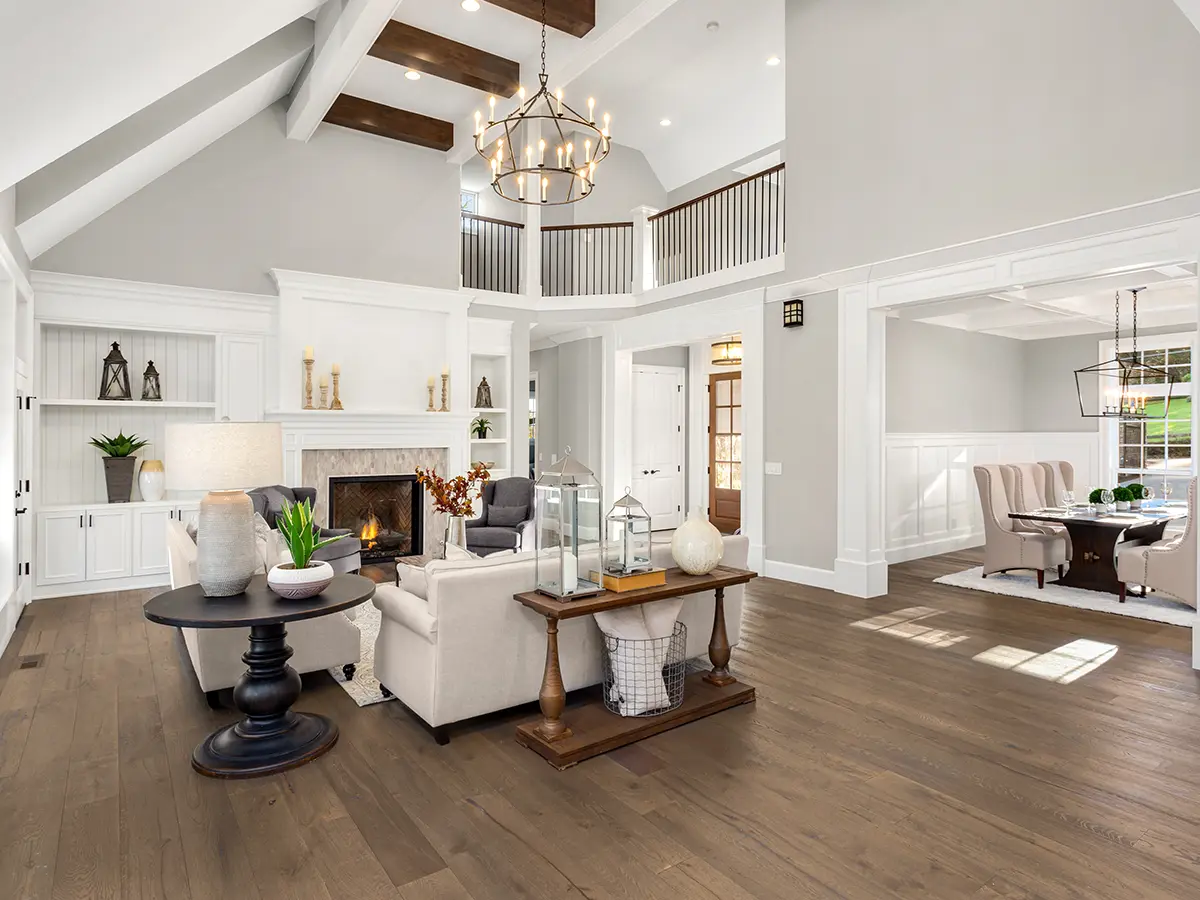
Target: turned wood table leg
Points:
(718, 646)
(553, 697)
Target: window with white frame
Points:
(1156, 452)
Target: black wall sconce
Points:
(793, 313)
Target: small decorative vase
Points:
(697, 546)
(299, 584)
(456, 532)
(1122, 506)
(118, 477)
(152, 480)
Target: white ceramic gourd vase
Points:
(152, 480)
(697, 546)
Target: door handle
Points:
(655, 471)
(645, 471)
(89, 520)
(22, 511)
(81, 521)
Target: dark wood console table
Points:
(592, 729)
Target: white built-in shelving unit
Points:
(491, 357)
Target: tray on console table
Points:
(590, 729)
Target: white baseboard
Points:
(934, 547)
(809, 575)
(860, 579)
(103, 586)
(10, 612)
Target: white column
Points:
(643, 249)
(861, 567)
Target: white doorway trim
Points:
(537, 429)
(861, 568)
(680, 439)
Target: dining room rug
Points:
(363, 688)
(1156, 607)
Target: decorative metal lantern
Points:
(150, 386)
(567, 520)
(114, 380)
(627, 547)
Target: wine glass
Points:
(1147, 492)
(1168, 490)
(1106, 497)
(1068, 500)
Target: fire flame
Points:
(370, 531)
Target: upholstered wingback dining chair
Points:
(1060, 476)
(1028, 488)
(1169, 565)
(1006, 548)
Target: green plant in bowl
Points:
(1122, 495)
(301, 578)
(1138, 490)
(1096, 496)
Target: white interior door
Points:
(658, 443)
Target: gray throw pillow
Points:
(506, 516)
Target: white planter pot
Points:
(697, 546)
(152, 480)
(1122, 506)
(1136, 504)
(298, 584)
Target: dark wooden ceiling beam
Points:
(389, 122)
(576, 17)
(433, 54)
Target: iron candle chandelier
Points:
(535, 173)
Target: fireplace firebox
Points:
(385, 511)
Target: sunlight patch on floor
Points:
(1063, 665)
(905, 623)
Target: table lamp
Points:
(224, 458)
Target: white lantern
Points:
(627, 544)
(567, 520)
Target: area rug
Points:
(1156, 607)
(363, 688)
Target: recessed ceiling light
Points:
(664, 122)
(470, 5)
(772, 60)
(412, 75)
(713, 26)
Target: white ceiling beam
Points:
(14, 261)
(346, 29)
(588, 52)
(66, 195)
(1191, 9)
(72, 69)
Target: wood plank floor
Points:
(875, 764)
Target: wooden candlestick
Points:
(337, 401)
(308, 364)
(324, 396)
(432, 408)
(445, 392)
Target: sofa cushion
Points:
(276, 495)
(511, 492)
(460, 554)
(347, 546)
(412, 579)
(506, 516)
(488, 536)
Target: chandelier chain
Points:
(1117, 328)
(543, 41)
(1135, 353)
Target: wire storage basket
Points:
(645, 677)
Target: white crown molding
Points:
(340, 289)
(121, 289)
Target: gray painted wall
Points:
(1051, 401)
(917, 124)
(801, 425)
(719, 177)
(662, 356)
(945, 380)
(345, 203)
(580, 401)
(545, 363)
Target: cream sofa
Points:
(216, 653)
(470, 649)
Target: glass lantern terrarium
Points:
(567, 520)
(627, 547)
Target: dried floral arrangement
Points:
(453, 496)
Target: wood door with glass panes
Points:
(1157, 452)
(725, 451)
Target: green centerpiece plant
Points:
(1122, 496)
(119, 463)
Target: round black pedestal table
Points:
(272, 737)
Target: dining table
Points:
(1095, 535)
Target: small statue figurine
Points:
(483, 395)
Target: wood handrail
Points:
(582, 227)
(475, 218)
(720, 190)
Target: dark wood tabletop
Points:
(679, 584)
(1132, 519)
(187, 607)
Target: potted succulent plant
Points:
(1123, 496)
(119, 463)
(480, 427)
(302, 577)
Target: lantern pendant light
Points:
(114, 379)
(1126, 387)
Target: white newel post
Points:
(643, 249)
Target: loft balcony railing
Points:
(738, 224)
(587, 259)
(491, 254)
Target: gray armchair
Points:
(506, 522)
(345, 556)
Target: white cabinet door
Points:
(240, 371)
(188, 513)
(60, 540)
(109, 540)
(150, 541)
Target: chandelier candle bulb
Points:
(560, 156)
(521, 94)
(541, 151)
(592, 110)
(545, 187)
(491, 109)
(558, 96)
(521, 186)
(528, 157)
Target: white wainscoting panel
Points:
(72, 359)
(931, 501)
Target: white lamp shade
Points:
(223, 456)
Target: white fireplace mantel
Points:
(342, 430)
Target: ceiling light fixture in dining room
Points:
(524, 167)
(1127, 387)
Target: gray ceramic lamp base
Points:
(226, 556)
